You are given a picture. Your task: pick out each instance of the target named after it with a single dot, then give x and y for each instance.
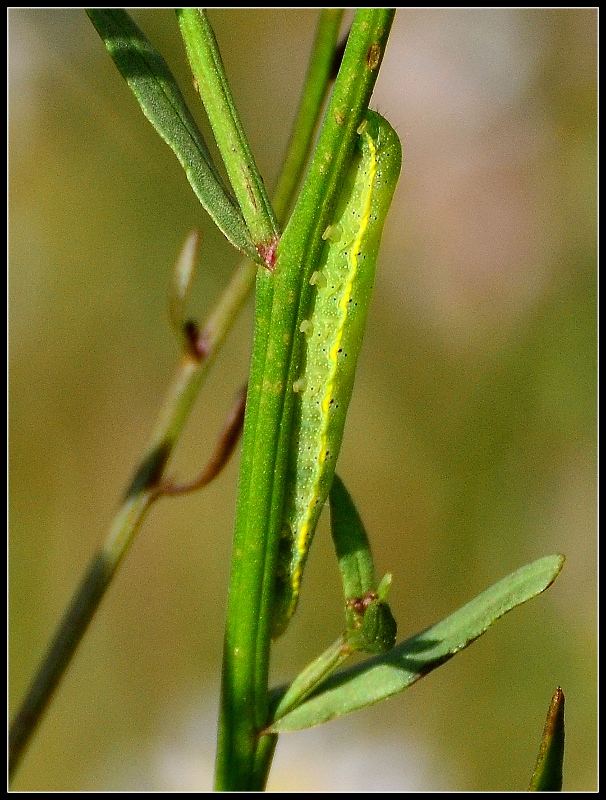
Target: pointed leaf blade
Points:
(160, 98)
(383, 676)
(547, 775)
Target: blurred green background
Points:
(470, 446)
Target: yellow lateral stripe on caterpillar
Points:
(334, 332)
(353, 258)
(371, 170)
(303, 534)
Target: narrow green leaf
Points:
(160, 98)
(381, 677)
(547, 775)
(313, 674)
(370, 625)
(351, 543)
(213, 86)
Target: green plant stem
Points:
(74, 624)
(317, 82)
(211, 80)
(268, 423)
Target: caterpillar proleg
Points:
(333, 334)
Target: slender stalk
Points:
(211, 81)
(313, 674)
(75, 621)
(317, 81)
(173, 415)
(268, 424)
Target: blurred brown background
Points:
(470, 447)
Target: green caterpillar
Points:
(334, 335)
